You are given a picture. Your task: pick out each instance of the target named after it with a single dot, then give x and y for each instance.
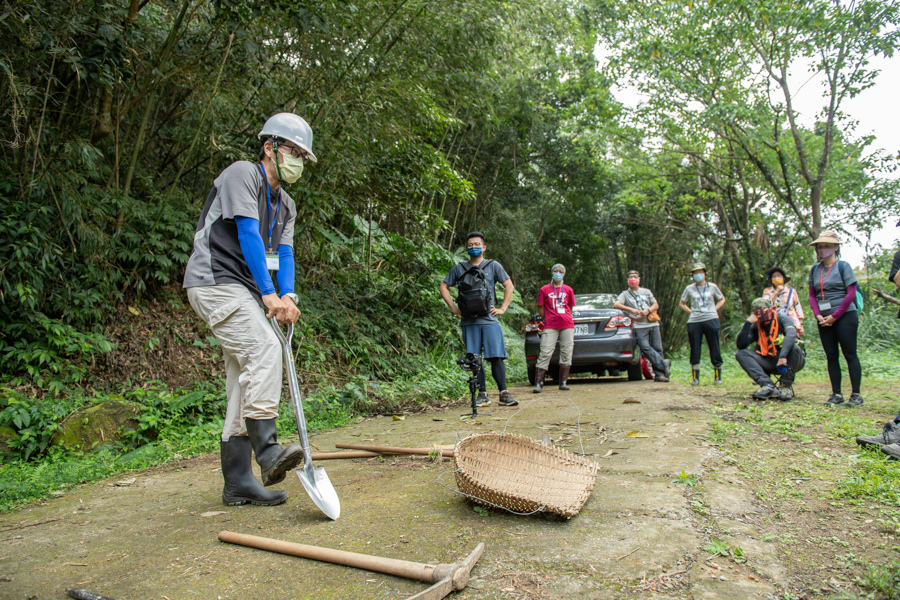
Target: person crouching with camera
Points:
(776, 351)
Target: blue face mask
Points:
(474, 252)
(558, 276)
(698, 277)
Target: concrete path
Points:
(642, 532)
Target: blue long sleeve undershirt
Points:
(285, 274)
(255, 254)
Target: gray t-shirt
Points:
(494, 273)
(835, 279)
(642, 299)
(239, 191)
(702, 301)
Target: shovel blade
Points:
(318, 486)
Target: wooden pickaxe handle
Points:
(394, 450)
(447, 577)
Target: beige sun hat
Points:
(827, 237)
(699, 266)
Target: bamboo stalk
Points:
(37, 140)
(151, 100)
(196, 135)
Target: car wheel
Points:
(532, 374)
(634, 372)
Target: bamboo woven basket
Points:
(523, 475)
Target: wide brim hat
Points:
(698, 267)
(827, 237)
(768, 274)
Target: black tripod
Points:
(472, 363)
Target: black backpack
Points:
(474, 298)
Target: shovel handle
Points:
(294, 386)
(284, 339)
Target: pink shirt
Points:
(552, 299)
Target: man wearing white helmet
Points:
(245, 230)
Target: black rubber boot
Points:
(564, 377)
(241, 487)
(696, 380)
(718, 376)
(539, 380)
(274, 460)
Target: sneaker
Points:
(506, 399)
(668, 368)
(482, 400)
(785, 389)
(661, 378)
(835, 400)
(889, 435)
(764, 392)
(854, 401)
(892, 450)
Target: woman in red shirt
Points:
(555, 302)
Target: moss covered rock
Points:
(7, 435)
(98, 424)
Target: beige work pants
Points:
(548, 345)
(253, 366)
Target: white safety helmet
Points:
(290, 127)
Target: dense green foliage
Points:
(116, 117)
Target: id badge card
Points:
(824, 305)
(271, 261)
(561, 309)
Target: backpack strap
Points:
(467, 266)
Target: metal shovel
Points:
(314, 479)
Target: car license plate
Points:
(581, 329)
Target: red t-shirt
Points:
(552, 299)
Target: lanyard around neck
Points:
(560, 294)
(822, 280)
(269, 205)
(703, 293)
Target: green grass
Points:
(878, 366)
(884, 580)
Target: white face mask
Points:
(290, 168)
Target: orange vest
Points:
(767, 341)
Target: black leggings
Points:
(696, 333)
(498, 370)
(842, 333)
